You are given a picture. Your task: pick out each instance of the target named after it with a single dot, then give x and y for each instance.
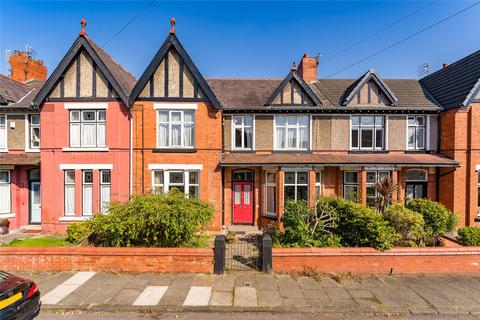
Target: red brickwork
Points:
(453, 260)
(308, 68)
(106, 259)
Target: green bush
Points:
(152, 220)
(438, 219)
(408, 224)
(469, 236)
(305, 226)
(77, 232)
(360, 226)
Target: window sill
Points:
(3, 150)
(74, 149)
(74, 218)
(368, 151)
(32, 150)
(243, 150)
(417, 151)
(292, 150)
(270, 216)
(7, 215)
(174, 150)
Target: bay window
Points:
(87, 192)
(292, 132)
(3, 132)
(367, 132)
(416, 184)
(87, 128)
(271, 194)
(187, 182)
(34, 122)
(372, 178)
(105, 190)
(69, 185)
(5, 192)
(175, 129)
(295, 186)
(243, 132)
(318, 184)
(416, 132)
(350, 185)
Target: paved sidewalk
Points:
(259, 292)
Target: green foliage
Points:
(469, 236)
(305, 226)
(152, 220)
(408, 224)
(78, 232)
(438, 219)
(360, 226)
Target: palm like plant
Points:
(385, 188)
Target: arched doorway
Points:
(242, 196)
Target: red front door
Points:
(243, 202)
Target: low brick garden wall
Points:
(439, 260)
(106, 259)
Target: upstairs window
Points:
(243, 132)
(175, 129)
(367, 132)
(87, 128)
(292, 132)
(34, 121)
(3, 132)
(416, 132)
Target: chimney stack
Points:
(445, 65)
(308, 68)
(24, 67)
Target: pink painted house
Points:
(85, 151)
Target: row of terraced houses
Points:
(92, 133)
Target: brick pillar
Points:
(311, 188)
(362, 186)
(280, 176)
(395, 181)
(227, 191)
(432, 185)
(256, 196)
(261, 201)
(401, 186)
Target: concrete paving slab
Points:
(327, 282)
(265, 282)
(288, 287)
(102, 295)
(138, 281)
(245, 297)
(198, 296)
(245, 280)
(221, 299)
(161, 279)
(52, 280)
(182, 281)
(294, 302)
(202, 280)
(80, 295)
(119, 280)
(308, 283)
(174, 296)
(223, 283)
(318, 296)
(269, 299)
(79, 278)
(150, 296)
(66, 288)
(125, 297)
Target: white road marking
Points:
(150, 296)
(198, 296)
(67, 287)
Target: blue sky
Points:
(249, 39)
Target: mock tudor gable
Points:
(369, 89)
(172, 76)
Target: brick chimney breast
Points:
(308, 68)
(24, 67)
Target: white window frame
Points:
(80, 123)
(86, 185)
(296, 184)
(9, 183)
(66, 186)
(297, 127)
(478, 190)
(350, 184)
(186, 181)
(359, 127)
(318, 184)
(242, 128)
(271, 184)
(378, 175)
(29, 132)
(104, 203)
(5, 131)
(182, 124)
(415, 127)
(416, 180)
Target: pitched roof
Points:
(122, 81)
(173, 41)
(358, 84)
(455, 85)
(17, 95)
(293, 75)
(335, 159)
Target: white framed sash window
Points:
(5, 192)
(105, 190)
(175, 129)
(88, 128)
(87, 192)
(187, 182)
(69, 185)
(3, 132)
(292, 132)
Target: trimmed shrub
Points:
(360, 226)
(438, 219)
(305, 226)
(469, 236)
(77, 232)
(152, 220)
(408, 224)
